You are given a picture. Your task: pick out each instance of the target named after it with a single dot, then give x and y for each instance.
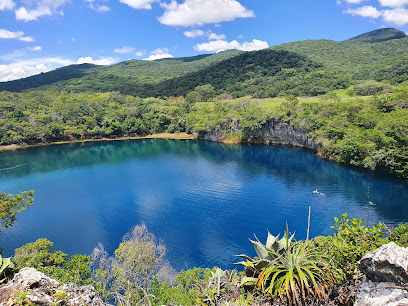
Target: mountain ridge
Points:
(375, 55)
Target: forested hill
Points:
(385, 60)
(378, 36)
(143, 71)
(311, 67)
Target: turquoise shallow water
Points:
(203, 199)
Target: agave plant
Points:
(291, 271)
(267, 254)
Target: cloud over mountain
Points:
(200, 12)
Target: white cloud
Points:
(398, 16)
(199, 12)
(36, 48)
(5, 34)
(154, 57)
(139, 4)
(100, 8)
(221, 45)
(23, 14)
(6, 5)
(200, 33)
(18, 71)
(159, 53)
(27, 38)
(42, 8)
(353, 1)
(365, 11)
(393, 3)
(194, 33)
(26, 68)
(214, 36)
(129, 50)
(124, 50)
(101, 61)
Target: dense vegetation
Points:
(305, 68)
(368, 132)
(357, 59)
(137, 71)
(379, 35)
(265, 73)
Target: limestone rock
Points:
(285, 134)
(389, 263)
(380, 294)
(43, 290)
(386, 280)
(271, 132)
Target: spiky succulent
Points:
(290, 270)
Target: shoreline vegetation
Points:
(178, 136)
(370, 132)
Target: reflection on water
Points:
(203, 199)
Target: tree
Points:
(10, 205)
(193, 97)
(55, 264)
(206, 91)
(138, 262)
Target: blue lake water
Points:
(203, 199)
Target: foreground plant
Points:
(292, 271)
(267, 254)
(354, 239)
(5, 265)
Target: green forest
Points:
(303, 68)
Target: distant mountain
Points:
(309, 67)
(57, 75)
(361, 61)
(378, 36)
(140, 70)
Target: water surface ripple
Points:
(203, 199)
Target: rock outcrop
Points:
(30, 285)
(386, 277)
(272, 132)
(285, 134)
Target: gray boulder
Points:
(40, 289)
(386, 277)
(389, 263)
(379, 294)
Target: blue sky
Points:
(40, 35)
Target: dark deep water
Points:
(203, 199)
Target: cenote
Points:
(203, 199)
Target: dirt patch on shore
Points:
(182, 136)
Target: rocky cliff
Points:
(272, 132)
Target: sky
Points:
(40, 35)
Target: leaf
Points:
(261, 250)
(248, 281)
(245, 257)
(271, 240)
